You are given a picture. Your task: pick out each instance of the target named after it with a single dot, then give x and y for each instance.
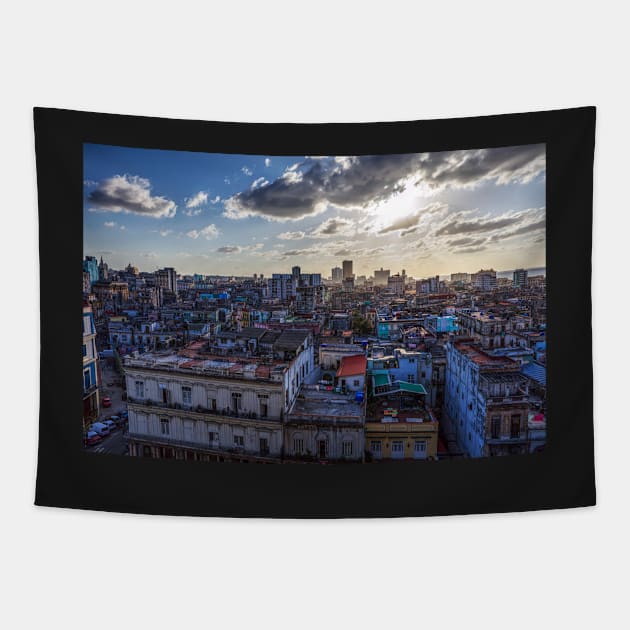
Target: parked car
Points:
(111, 424)
(124, 414)
(106, 402)
(92, 438)
(101, 428)
(118, 420)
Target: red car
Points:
(92, 438)
(106, 402)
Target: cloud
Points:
(149, 255)
(110, 224)
(129, 194)
(460, 242)
(193, 213)
(122, 227)
(267, 162)
(291, 236)
(525, 229)
(229, 249)
(477, 225)
(209, 232)
(309, 187)
(165, 232)
(197, 200)
(215, 200)
(247, 171)
(332, 226)
(470, 250)
(89, 183)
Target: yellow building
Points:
(407, 439)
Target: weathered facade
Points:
(486, 402)
(200, 405)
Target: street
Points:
(113, 444)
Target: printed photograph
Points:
(314, 309)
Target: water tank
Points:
(359, 397)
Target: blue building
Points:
(90, 265)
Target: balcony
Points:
(210, 448)
(201, 410)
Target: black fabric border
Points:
(561, 477)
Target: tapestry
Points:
(315, 320)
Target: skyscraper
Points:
(336, 273)
(519, 278)
(90, 264)
(167, 279)
(347, 269)
(381, 276)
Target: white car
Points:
(101, 428)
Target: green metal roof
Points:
(416, 388)
(380, 379)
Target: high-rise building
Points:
(519, 278)
(485, 279)
(460, 277)
(90, 264)
(167, 279)
(347, 269)
(381, 276)
(336, 274)
(397, 283)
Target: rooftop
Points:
(313, 403)
(482, 358)
(352, 365)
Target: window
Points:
(187, 396)
(322, 448)
(212, 404)
(236, 401)
(495, 427)
(239, 441)
(139, 389)
(411, 378)
(420, 449)
(375, 446)
(346, 448)
(515, 427)
(397, 448)
(356, 382)
(298, 446)
(86, 379)
(213, 437)
(264, 446)
(84, 350)
(165, 426)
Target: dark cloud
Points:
(469, 250)
(331, 227)
(523, 229)
(228, 249)
(470, 242)
(476, 225)
(129, 193)
(310, 187)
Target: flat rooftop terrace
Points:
(189, 361)
(313, 404)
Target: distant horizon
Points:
(227, 214)
(542, 268)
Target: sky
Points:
(218, 214)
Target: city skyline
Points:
(216, 214)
